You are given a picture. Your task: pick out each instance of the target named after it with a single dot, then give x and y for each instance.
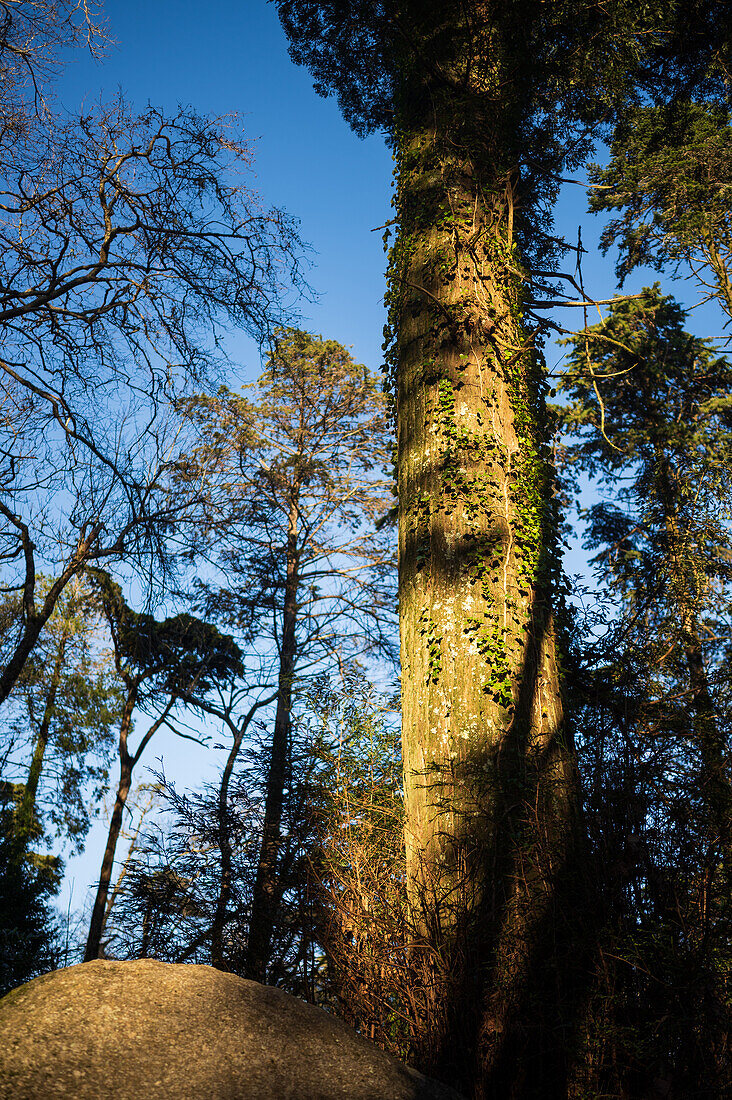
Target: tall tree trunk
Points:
(717, 791)
(703, 932)
(266, 886)
(716, 787)
(711, 932)
(218, 923)
(126, 764)
(685, 588)
(490, 781)
(27, 809)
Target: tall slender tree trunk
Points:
(27, 809)
(716, 786)
(126, 764)
(218, 924)
(490, 782)
(266, 886)
(717, 790)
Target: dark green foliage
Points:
(28, 944)
(649, 420)
(178, 656)
(540, 81)
(348, 45)
(60, 720)
(670, 180)
(650, 404)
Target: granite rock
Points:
(148, 1030)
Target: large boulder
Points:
(148, 1030)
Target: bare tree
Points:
(32, 36)
(125, 247)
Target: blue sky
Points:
(225, 57)
(307, 160)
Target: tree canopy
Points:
(669, 178)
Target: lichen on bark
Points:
(490, 784)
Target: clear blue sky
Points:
(223, 57)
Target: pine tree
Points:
(296, 493)
(669, 178)
(649, 419)
(28, 933)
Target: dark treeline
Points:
(511, 863)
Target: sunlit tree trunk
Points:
(490, 781)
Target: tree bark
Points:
(490, 781)
(716, 787)
(126, 764)
(27, 808)
(266, 885)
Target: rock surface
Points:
(148, 1030)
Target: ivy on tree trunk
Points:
(490, 782)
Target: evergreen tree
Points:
(670, 178)
(28, 936)
(55, 744)
(60, 720)
(649, 419)
(296, 491)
